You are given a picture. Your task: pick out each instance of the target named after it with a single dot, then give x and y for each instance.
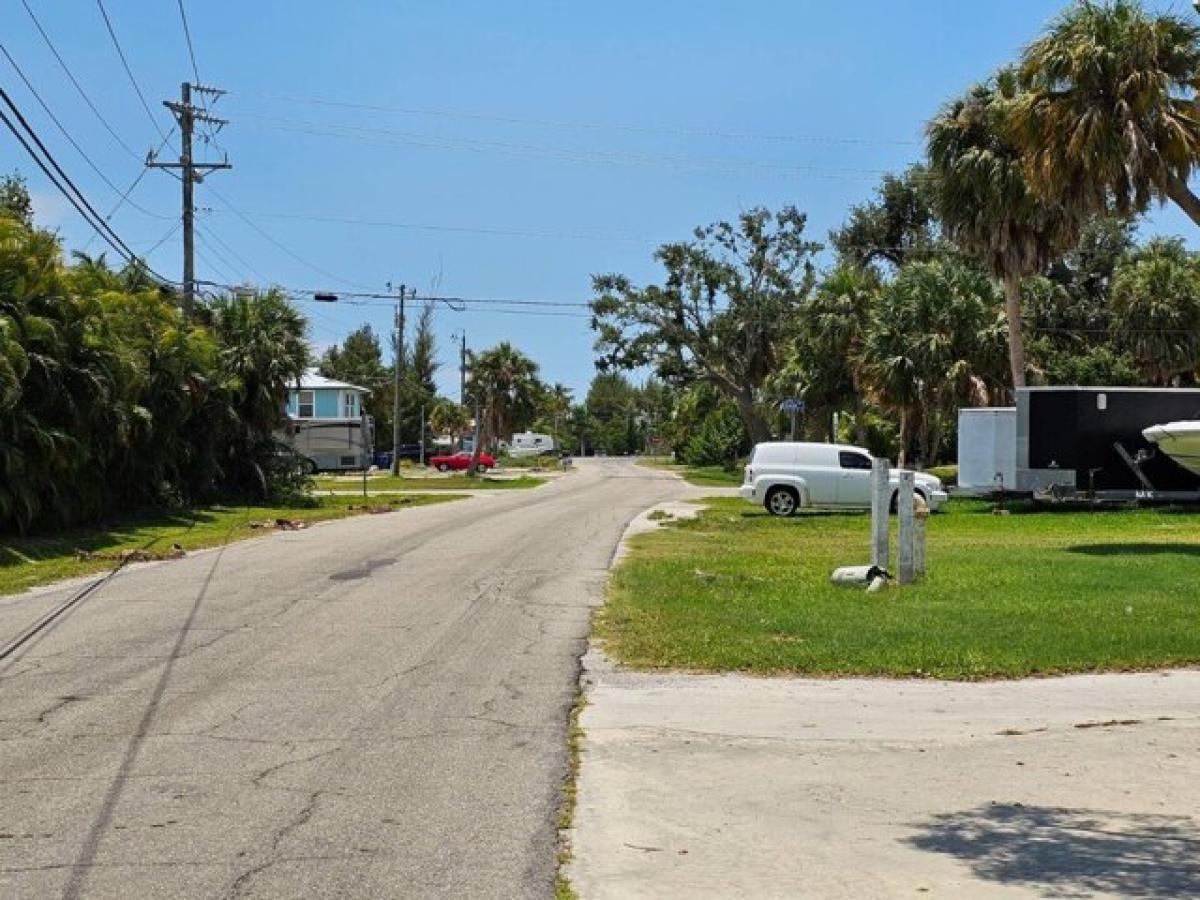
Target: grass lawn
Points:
(1032, 593)
(26, 562)
(701, 476)
(425, 483)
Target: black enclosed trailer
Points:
(1073, 440)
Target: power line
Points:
(591, 126)
(390, 137)
(78, 149)
(162, 240)
(72, 193)
(283, 248)
(187, 33)
(78, 87)
(75, 194)
(232, 252)
(128, 71)
(413, 226)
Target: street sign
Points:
(792, 406)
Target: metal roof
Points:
(312, 380)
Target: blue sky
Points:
(593, 131)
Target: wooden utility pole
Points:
(396, 379)
(191, 172)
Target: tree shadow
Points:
(1072, 852)
(1136, 549)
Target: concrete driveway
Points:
(371, 708)
(719, 787)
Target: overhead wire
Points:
(415, 226)
(590, 126)
(187, 34)
(279, 245)
(128, 71)
(74, 143)
(78, 87)
(46, 161)
(391, 137)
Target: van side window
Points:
(851, 460)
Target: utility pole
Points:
(191, 172)
(462, 371)
(396, 386)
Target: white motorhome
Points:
(785, 477)
(530, 443)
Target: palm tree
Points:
(1156, 310)
(933, 346)
(1108, 112)
(503, 384)
(828, 356)
(450, 418)
(986, 204)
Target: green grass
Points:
(27, 562)
(425, 483)
(1033, 593)
(701, 476)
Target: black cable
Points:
(128, 71)
(78, 86)
(73, 194)
(57, 168)
(187, 33)
(297, 257)
(53, 118)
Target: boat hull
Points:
(1178, 440)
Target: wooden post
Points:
(921, 517)
(904, 505)
(881, 500)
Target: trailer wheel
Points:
(308, 467)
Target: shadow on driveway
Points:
(1071, 852)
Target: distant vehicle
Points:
(531, 443)
(786, 477)
(461, 462)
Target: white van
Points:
(786, 477)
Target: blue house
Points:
(325, 423)
(318, 397)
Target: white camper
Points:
(531, 443)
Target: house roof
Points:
(312, 380)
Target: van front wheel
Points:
(782, 502)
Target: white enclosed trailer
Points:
(987, 449)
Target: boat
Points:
(1178, 440)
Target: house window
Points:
(349, 405)
(306, 405)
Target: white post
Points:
(919, 544)
(904, 504)
(880, 503)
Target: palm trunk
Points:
(1181, 195)
(1016, 332)
(902, 456)
(860, 426)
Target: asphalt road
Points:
(371, 708)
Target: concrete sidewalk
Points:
(735, 787)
